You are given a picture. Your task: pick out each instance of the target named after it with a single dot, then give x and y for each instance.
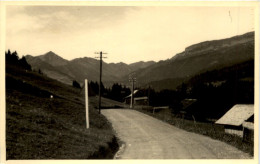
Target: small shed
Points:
(129, 96)
(137, 100)
(186, 108)
(187, 103)
(141, 100)
(234, 119)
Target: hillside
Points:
(79, 69)
(167, 74)
(40, 127)
(48, 69)
(53, 59)
(196, 59)
(140, 65)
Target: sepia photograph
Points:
(127, 81)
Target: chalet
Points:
(137, 100)
(127, 99)
(239, 120)
(129, 96)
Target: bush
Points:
(76, 84)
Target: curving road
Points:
(148, 138)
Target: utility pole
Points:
(100, 79)
(133, 80)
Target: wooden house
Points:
(235, 120)
(137, 100)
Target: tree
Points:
(23, 63)
(8, 56)
(75, 84)
(40, 72)
(14, 57)
(116, 92)
(11, 58)
(94, 86)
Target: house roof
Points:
(237, 115)
(140, 98)
(187, 102)
(135, 91)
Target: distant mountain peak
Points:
(53, 59)
(51, 53)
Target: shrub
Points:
(75, 84)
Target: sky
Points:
(127, 34)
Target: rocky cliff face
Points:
(215, 45)
(199, 58)
(219, 44)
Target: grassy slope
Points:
(38, 127)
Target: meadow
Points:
(41, 127)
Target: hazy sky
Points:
(127, 34)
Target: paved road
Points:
(148, 138)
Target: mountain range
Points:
(79, 69)
(196, 59)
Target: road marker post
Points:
(86, 103)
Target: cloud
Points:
(128, 34)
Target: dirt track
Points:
(148, 138)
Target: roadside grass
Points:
(40, 127)
(208, 129)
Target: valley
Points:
(215, 74)
(196, 59)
